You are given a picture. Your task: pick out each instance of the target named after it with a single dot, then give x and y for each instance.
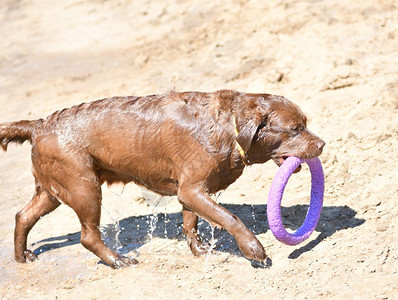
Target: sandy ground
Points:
(339, 62)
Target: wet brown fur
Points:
(182, 144)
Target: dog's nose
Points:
(320, 144)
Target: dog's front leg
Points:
(190, 229)
(194, 197)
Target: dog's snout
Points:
(320, 144)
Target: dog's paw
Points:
(253, 249)
(26, 256)
(123, 262)
(199, 248)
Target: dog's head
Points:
(272, 127)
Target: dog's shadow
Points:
(133, 232)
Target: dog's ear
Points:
(252, 113)
(246, 133)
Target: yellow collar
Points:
(241, 151)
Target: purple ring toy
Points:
(275, 197)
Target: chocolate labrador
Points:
(189, 144)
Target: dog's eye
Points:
(296, 129)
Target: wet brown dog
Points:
(187, 144)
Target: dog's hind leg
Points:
(68, 174)
(85, 200)
(41, 204)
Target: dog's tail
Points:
(17, 132)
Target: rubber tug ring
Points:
(275, 197)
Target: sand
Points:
(337, 60)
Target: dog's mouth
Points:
(281, 159)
